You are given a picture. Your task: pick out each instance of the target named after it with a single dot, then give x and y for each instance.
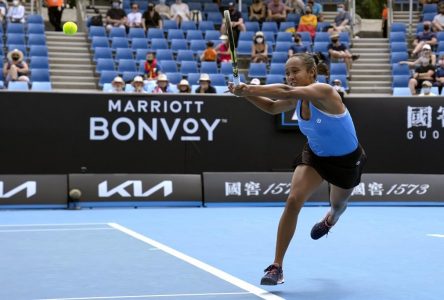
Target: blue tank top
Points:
(327, 134)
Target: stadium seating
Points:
(273, 78)
(41, 86)
(18, 86)
(258, 70)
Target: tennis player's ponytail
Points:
(310, 61)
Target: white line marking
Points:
(199, 264)
(40, 225)
(436, 235)
(151, 296)
(56, 229)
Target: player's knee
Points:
(294, 203)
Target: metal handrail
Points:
(81, 15)
(390, 15)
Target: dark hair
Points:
(210, 44)
(309, 61)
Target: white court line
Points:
(199, 264)
(436, 235)
(40, 225)
(151, 296)
(56, 229)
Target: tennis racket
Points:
(232, 47)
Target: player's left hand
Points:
(237, 90)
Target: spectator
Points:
(3, 10)
(151, 68)
(15, 69)
(384, 20)
(439, 75)
(427, 89)
(16, 13)
(209, 54)
(337, 85)
(308, 22)
(257, 11)
(342, 20)
(223, 50)
(115, 17)
(255, 81)
(276, 11)
(427, 56)
(294, 6)
(180, 11)
(422, 73)
(184, 87)
(236, 19)
(151, 18)
(298, 46)
(438, 20)
(163, 10)
(55, 12)
(118, 85)
(259, 51)
(426, 37)
(316, 9)
(138, 84)
(163, 85)
(134, 17)
(205, 86)
(338, 50)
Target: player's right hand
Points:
(237, 90)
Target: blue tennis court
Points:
(219, 253)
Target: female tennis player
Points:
(332, 152)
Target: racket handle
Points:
(236, 80)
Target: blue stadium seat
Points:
(398, 47)
(258, 70)
(402, 91)
(15, 39)
(123, 53)
(400, 81)
(396, 57)
(37, 39)
(107, 77)
(99, 41)
(321, 26)
(322, 37)
(226, 68)
(101, 52)
(211, 7)
(277, 69)
(96, 31)
(286, 25)
(274, 78)
(164, 54)
(41, 86)
(155, 33)
(188, 25)
(241, 77)
(188, 67)
(174, 77)
(215, 17)
(194, 35)
(440, 36)
(338, 69)
(344, 37)
(185, 55)
(269, 37)
(104, 64)
(38, 51)
(279, 57)
(39, 62)
(293, 17)
(305, 37)
(244, 47)
(193, 78)
(398, 69)
(15, 28)
(197, 46)
(343, 80)
(195, 6)
(139, 43)
(217, 79)
(177, 44)
(282, 47)
(397, 37)
(169, 66)
(136, 33)
(175, 34)
(270, 26)
(252, 26)
(141, 54)
(284, 37)
(321, 79)
(398, 27)
(36, 28)
(209, 67)
(159, 44)
(107, 87)
(212, 35)
(428, 17)
(119, 42)
(321, 47)
(246, 35)
(128, 76)
(206, 25)
(127, 65)
(117, 32)
(18, 86)
(40, 75)
(34, 19)
(430, 9)
(169, 24)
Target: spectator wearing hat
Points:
(151, 18)
(308, 22)
(118, 85)
(438, 20)
(257, 11)
(259, 51)
(209, 54)
(180, 11)
(134, 17)
(425, 37)
(338, 50)
(422, 73)
(150, 66)
(427, 89)
(255, 81)
(162, 86)
(223, 50)
(236, 19)
(115, 16)
(337, 85)
(276, 11)
(184, 87)
(16, 13)
(138, 84)
(15, 69)
(298, 46)
(426, 56)
(205, 86)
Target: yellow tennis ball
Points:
(69, 28)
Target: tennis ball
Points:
(69, 28)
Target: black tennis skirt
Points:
(343, 171)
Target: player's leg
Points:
(304, 182)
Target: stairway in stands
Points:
(403, 17)
(70, 62)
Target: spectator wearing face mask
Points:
(184, 87)
(259, 51)
(16, 13)
(342, 20)
(257, 11)
(438, 20)
(338, 50)
(337, 85)
(205, 86)
(150, 66)
(134, 17)
(118, 85)
(426, 56)
(116, 16)
(15, 69)
(236, 19)
(308, 22)
(425, 37)
(297, 47)
(55, 12)
(163, 85)
(427, 89)
(422, 73)
(151, 18)
(138, 85)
